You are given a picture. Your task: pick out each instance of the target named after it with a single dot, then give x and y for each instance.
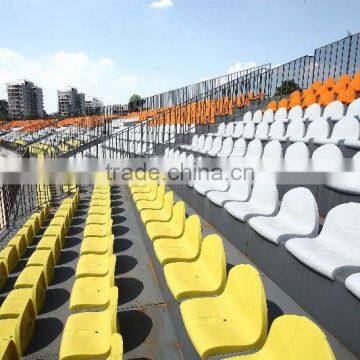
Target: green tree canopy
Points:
(135, 102)
(287, 87)
(3, 107)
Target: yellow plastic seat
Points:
(95, 265)
(19, 243)
(155, 204)
(234, 321)
(163, 214)
(88, 335)
(116, 347)
(103, 197)
(27, 231)
(95, 245)
(8, 350)
(68, 206)
(10, 258)
(66, 214)
(3, 273)
(97, 230)
(92, 293)
(17, 322)
(205, 276)
(98, 219)
(60, 222)
(55, 230)
(35, 221)
(31, 283)
(293, 337)
(143, 189)
(185, 248)
(99, 210)
(173, 228)
(43, 259)
(98, 202)
(52, 243)
(149, 195)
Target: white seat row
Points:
(346, 130)
(334, 111)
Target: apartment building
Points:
(25, 100)
(93, 106)
(71, 102)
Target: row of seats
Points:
(93, 334)
(344, 89)
(222, 314)
(22, 305)
(326, 158)
(16, 247)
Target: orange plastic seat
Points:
(315, 85)
(339, 86)
(347, 96)
(307, 92)
(273, 105)
(326, 98)
(346, 79)
(355, 82)
(283, 103)
(309, 100)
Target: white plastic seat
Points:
(229, 130)
(327, 158)
(347, 182)
(247, 117)
(227, 147)
(317, 129)
(352, 283)
(281, 115)
(334, 111)
(193, 143)
(336, 246)
(257, 117)
(264, 200)
(166, 152)
(354, 109)
(239, 190)
(295, 130)
(221, 130)
(200, 143)
(210, 181)
(312, 112)
(348, 128)
(272, 151)
(216, 147)
(238, 131)
(262, 131)
(190, 161)
(239, 148)
(295, 113)
(298, 216)
(254, 150)
(207, 145)
(297, 157)
(176, 154)
(249, 131)
(277, 130)
(268, 116)
(171, 153)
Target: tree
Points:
(4, 110)
(287, 87)
(135, 102)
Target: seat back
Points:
(295, 113)
(227, 146)
(265, 193)
(348, 128)
(296, 128)
(221, 128)
(335, 110)
(318, 129)
(254, 149)
(239, 148)
(273, 150)
(262, 130)
(245, 294)
(354, 108)
(298, 150)
(268, 116)
(249, 130)
(277, 129)
(239, 129)
(312, 112)
(299, 206)
(341, 229)
(194, 140)
(247, 117)
(200, 143)
(192, 232)
(280, 114)
(208, 143)
(257, 117)
(217, 145)
(212, 257)
(327, 158)
(229, 129)
(296, 337)
(178, 216)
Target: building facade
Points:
(71, 102)
(25, 100)
(93, 107)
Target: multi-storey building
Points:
(71, 102)
(93, 106)
(25, 100)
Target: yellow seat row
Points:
(93, 334)
(222, 314)
(15, 249)
(20, 308)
